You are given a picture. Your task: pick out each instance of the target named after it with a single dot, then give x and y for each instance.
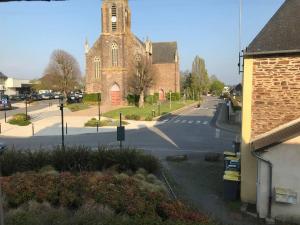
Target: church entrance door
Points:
(115, 94)
(161, 95)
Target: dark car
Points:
(5, 103)
(72, 98)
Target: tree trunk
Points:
(141, 100)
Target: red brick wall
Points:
(167, 77)
(276, 92)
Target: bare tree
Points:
(142, 76)
(62, 73)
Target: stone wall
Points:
(276, 92)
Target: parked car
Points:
(57, 95)
(5, 103)
(36, 97)
(14, 98)
(72, 98)
(46, 96)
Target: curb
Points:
(177, 111)
(219, 124)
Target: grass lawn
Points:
(20, 120)
(145, 113)
(77, 106)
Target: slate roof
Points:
(281, 34)
(277, 136)
(164, 52)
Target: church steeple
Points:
(116, 17)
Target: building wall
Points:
(248, 162)
(285, 158)
(167, 78)
(276, 92)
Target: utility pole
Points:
(170, 99)
(61, 107)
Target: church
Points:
(107, 61)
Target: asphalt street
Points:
(192, 131)
(30, 107)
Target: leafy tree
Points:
(216, 86)
(62, 73)
(199, 70)
(142, 76)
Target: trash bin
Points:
(231, 187)
(229, 153)
(231, 160)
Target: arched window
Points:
(114, 18)
(97, 67)
(114, 54)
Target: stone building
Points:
(271, 113)
(108, 60)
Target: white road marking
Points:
(191, 121)
(177, 121)
(199, 121)
(218, 133)
(183, 121)
(205, 122)
(164, 121)
(163, 135)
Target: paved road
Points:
(191, 131)
(31, 107)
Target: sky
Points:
(30, 31)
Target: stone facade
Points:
(276, 92)
(107, 62)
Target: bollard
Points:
(32, 128)
(97, 127)
(66, 128)
(5, 116)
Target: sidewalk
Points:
(222, 120)
(47, 122)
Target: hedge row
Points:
(91, 97)
(77, 159)
(175, 96)
(140, 195)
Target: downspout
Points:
(256, 155)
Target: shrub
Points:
(20, 120)
(151, 99)
(102, 123)
(133, 99)
(93, 97)
(133, 117)
(149, 118)
(77, 159)
(175, 96)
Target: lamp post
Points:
(99, 109)
(170, 99)
(61, 107)
(26, 110)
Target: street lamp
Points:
(26, 110)
(99, 111)
(61, 107)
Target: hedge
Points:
(77, 159)
(133, 99)
(141, 195)
(175, 96)
(93, 97)
(152, 99)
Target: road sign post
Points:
(120, 132)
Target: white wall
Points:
(15, 83)
(285, 158)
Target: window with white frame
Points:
(97, 67)
(114, 54)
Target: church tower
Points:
(116, 17)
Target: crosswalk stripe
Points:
(198, 121)
(183, 121)
(191, 121)
(177, 121)
(205, 122)
(164, 121)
